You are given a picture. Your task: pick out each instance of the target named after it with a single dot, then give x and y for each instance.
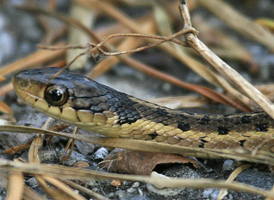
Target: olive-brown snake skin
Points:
(84, 103)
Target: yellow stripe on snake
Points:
(84, 103)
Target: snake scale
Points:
(82, 102)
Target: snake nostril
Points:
(23, 83)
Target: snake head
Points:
(65, 90)
(72, 98)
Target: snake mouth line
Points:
(23, 95)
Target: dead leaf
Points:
(138, 162)
(115, 182)
(81, 164)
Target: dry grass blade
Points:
(267, 90)
(57, 183)
(236, 172)
(5, 108)
(162, 19)
(150, 146)
(268, 23)
(181, 102)
(6, 89)
(30, 194)
(70, 144)
(52, 192)
(224, 45)
(85, 190)
(34, 149)
(16, 185)
(239, 22)
(39, 57)
(76, 36)
(82, 174)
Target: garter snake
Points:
(82, 102)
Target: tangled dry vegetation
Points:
(127, 36)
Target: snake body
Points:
(82, 102)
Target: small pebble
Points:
(228, 165)
(33, 182)
(211, 193)
(100, 154)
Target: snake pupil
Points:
(56, 95)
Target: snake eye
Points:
(56, 95)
